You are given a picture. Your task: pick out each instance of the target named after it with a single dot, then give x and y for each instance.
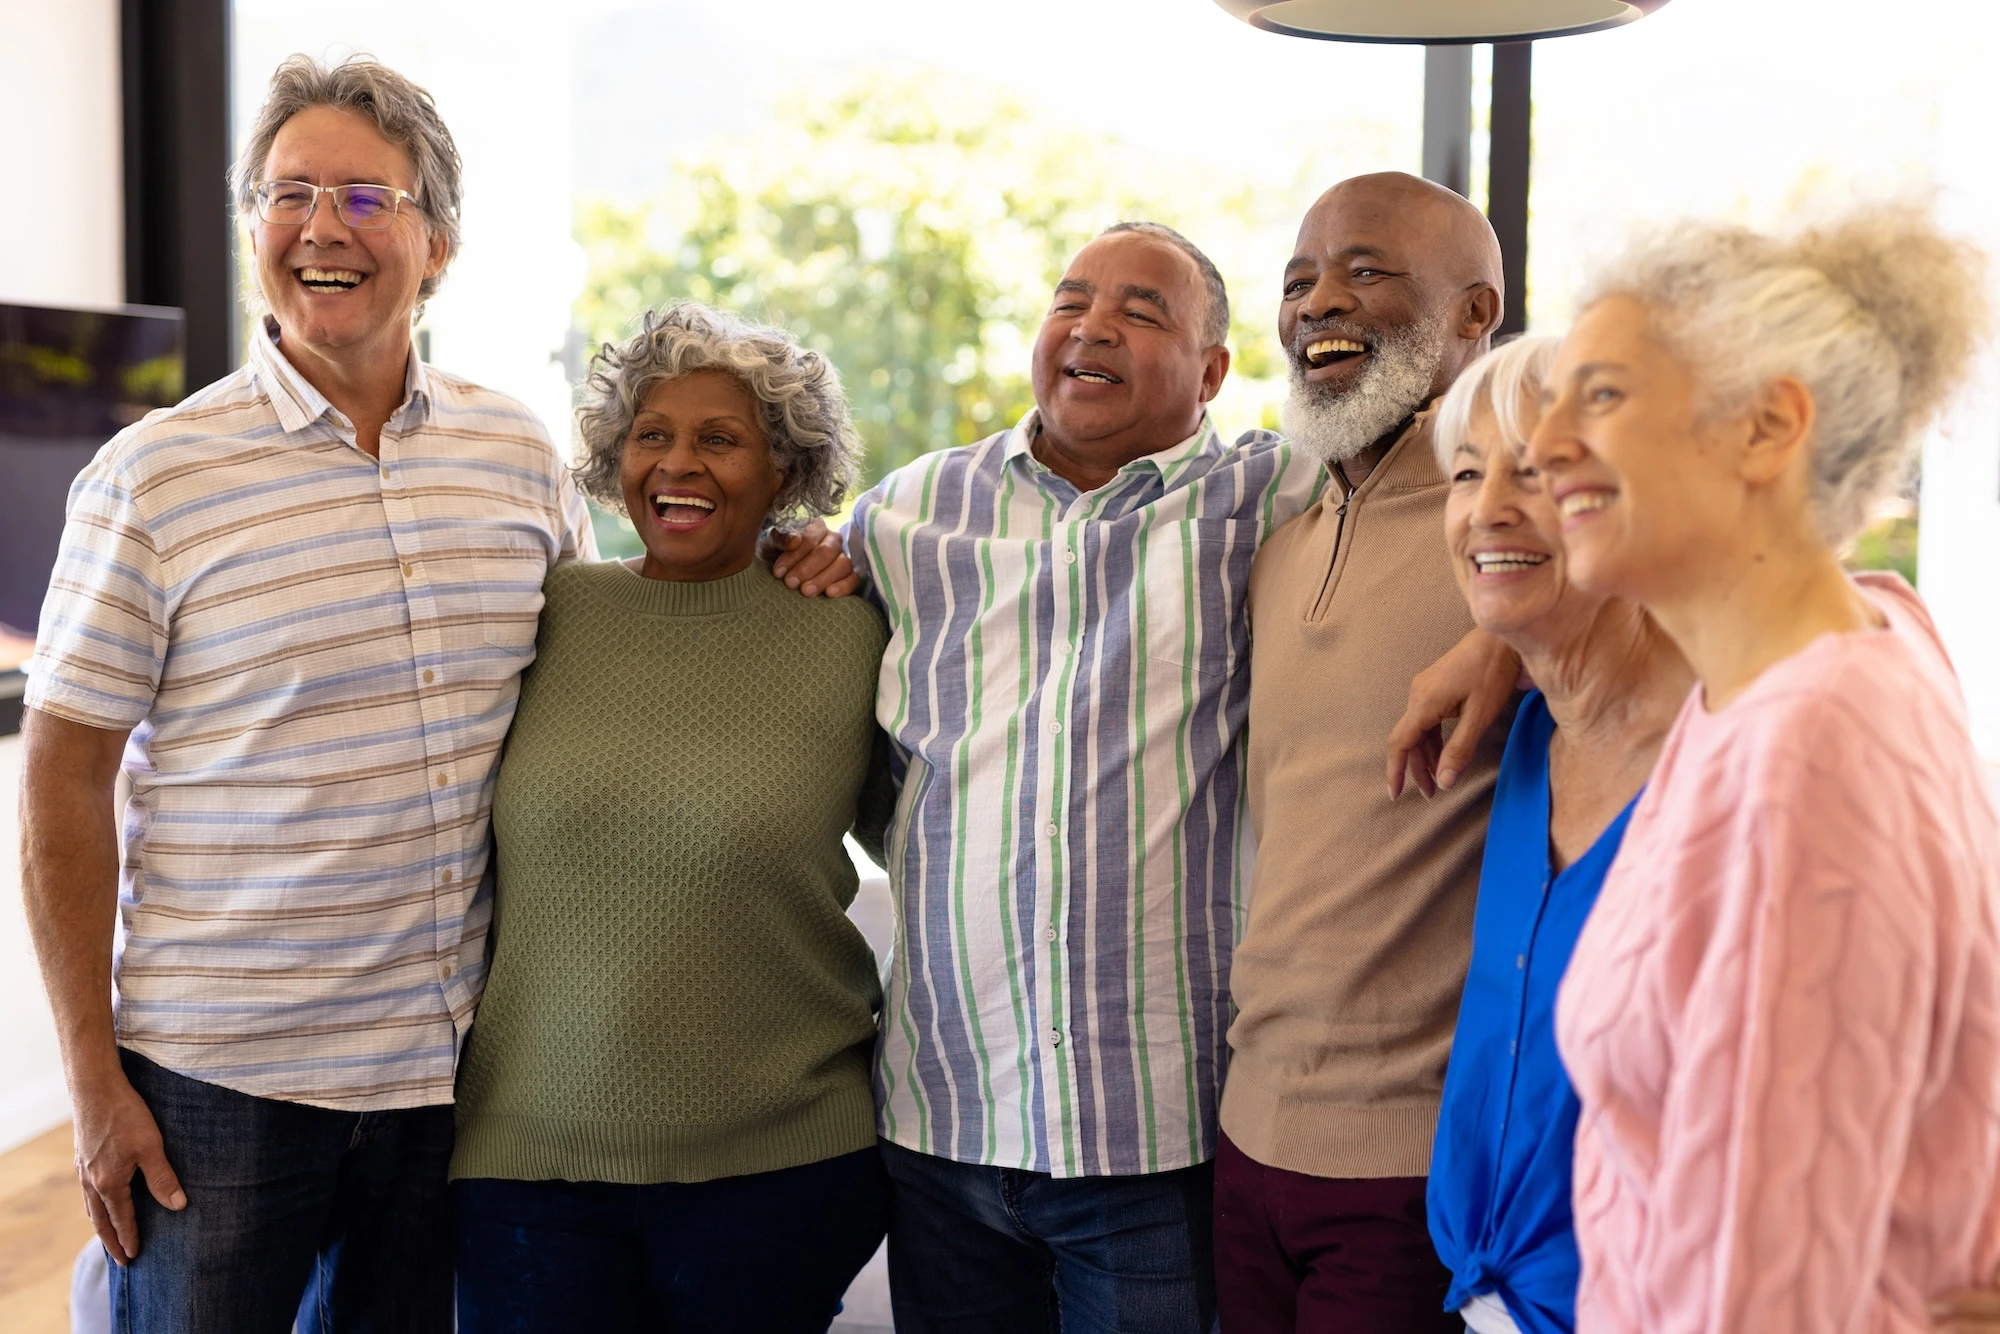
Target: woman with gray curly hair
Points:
(1783, 1015)
(665, 1116)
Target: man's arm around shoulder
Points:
(69, 879)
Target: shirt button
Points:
(444, 971)
(385, 473)
(1055, 1037)
(446, 875)
(1520, 961)
(1049, 829)
(1049, 934)
(1069, 557)
(443, 779)
(408, 569)
(1055, 727)
(1513, 1048)
(429, 676)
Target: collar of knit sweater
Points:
(669, 597)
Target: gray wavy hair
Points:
(797, 391)
(1878, 314)
(1505, 382)
(402, 111)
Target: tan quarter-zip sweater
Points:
(1348, 976)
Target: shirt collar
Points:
(298, 404)
(1167, 462)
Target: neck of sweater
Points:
(672, 597)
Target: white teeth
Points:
(1583, 502)
(1496, 562)
(1328, 346)
(1093, 376)
(345, 277)
(661, 502)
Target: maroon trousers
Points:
(1298, 1254)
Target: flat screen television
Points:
(70, 379)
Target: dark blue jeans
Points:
(338, 1219)
(977, 1249)
(766, 1253)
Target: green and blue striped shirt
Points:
(1067, 686)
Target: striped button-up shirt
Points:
(318, 653)
(1066, 687)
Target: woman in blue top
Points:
(1610, 685)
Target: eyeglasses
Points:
(363, 207)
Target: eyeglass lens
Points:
(358, 205)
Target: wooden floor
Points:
(41, 1229)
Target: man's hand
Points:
(116, 1137)
(811, 560)
(1471, 683)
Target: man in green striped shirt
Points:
(1066, 693)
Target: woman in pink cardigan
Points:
(1783, 1016)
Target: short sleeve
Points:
(578, 538)
(103, 635)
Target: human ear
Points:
(1479, 311)
(440, 250)
(1778, 429)
(1214, 369)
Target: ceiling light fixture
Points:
(1437, 22)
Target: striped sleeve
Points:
(579, 539)
(103, 636)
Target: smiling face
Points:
(1120, 365)
(698, 477)
(1391, 292)
(1505, 539)
(339, 294)
(1646, 489)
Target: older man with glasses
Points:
(296, 608)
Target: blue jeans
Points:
(975, 1249)
(338, 1219)
(766, 1253)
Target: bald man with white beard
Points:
(1348, 976)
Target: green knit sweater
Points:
(676, 991)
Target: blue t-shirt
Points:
(1499, 1196)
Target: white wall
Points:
(61, 138)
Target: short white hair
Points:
(1504, 382)
(1877, 313)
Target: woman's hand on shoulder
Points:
(812, 560)
(1967, 1311)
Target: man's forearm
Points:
(69, 880)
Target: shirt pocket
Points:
(508, 569)
(1196, 574)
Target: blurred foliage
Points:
(1890, 543)
(911, 229)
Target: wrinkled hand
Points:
(116, 1137)
(812, 560)
(1471, 683)
(1968, 1311)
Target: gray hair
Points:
(1215, 327)
(403, 112)
(798, 395)
(1878, 314)
(1503, 382)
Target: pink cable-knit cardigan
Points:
(1783, 1016)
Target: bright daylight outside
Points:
(899, 182)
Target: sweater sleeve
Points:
(1788, 1112)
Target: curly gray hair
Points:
(798, 395)
(1878, 313)
(403, 112)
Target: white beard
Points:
(1334, 426)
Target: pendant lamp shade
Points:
(1437, 22)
